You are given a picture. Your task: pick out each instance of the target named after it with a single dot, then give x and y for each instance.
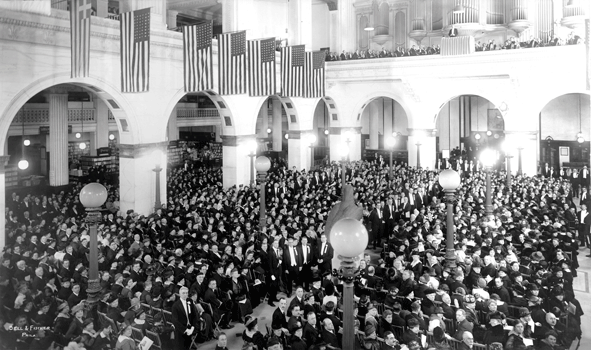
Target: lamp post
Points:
(251, 146)
(262, 165)
(349, 239)
(92, 197)
(344, 155)
(487, 158)
(157, 157)
(450, 181)
(519, 168)
(311, 141)
(390, 143)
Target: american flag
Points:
(197, 54)
(232, 63)
(80, 37)
(292, 70)
(315, 74)
(261, 67)
(135, 51)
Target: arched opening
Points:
(383, 119)
(63, 134)
(273, 123)
(466, 125)
(564, 133)
(383, 19)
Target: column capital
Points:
(236, 140)
(3, 161)
(142, 149)
(339, 130)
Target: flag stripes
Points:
(232, 63)
(135, 51)
(198, 57)
(314, 74)
(261, 67)
(80, 37)
(292, 70)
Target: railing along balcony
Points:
(190, 113)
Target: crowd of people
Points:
(511, 43)
(202, 263)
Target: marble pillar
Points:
(277, 126)
(102, 7)
(173, 130)
(137, 179)
(101, 136)
(347, 26)
(3, 161)
(374, 123)
(264, 121)
(300, 23)
(171, 18)
(299, 153)
(58, 139)
(388, 118)
(236, 166)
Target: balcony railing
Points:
(190, 113)
(41, 116)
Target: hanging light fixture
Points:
(580, 135)
(458, 9)
(78, 135)
(111, 137)
(26, 140)
(23, 163)
(368, 27)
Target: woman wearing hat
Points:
(515, 341)
(251, 334)
(77, 323)
(125, 342)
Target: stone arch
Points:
(225, 113)
(498, 102)
(116, 102)
(293, 120)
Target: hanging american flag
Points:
(232, 63)
(292, 70)
(80, 37)
(261, 67)
(135, 51)
(197, 55)
(315, 74)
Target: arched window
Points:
(400, 29)
(382, 17)
(362, 35)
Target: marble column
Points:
(171, 18)
(374, 123)
(236, 160)
(346, 27)
(102, 7)
(137, 179)
(298, 150)
(426, 139)
(173, 130)
(58, 138)
(388, 118)
(300, 23)
(101, 136)
(3, 161)
(277, 126)
(264, 121)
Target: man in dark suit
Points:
(329, 334)
(292, 265)
(275, 271)
(184, 319)
(307, 258)
(546, 170)
(376, 218)
(389, 217)
(584, 177)
(216, 300)
(311, 335)
(583, 225)
(325, 255)
(279, 320)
